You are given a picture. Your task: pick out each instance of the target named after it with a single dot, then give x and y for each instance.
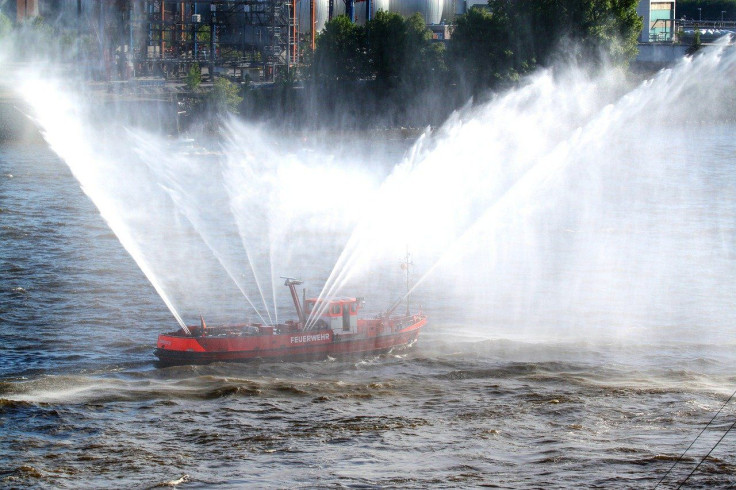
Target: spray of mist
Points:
(568, 203)
(506, 205)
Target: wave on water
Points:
(173, 483)
(574, 364)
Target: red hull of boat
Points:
(285, 343)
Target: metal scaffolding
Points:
(225, 37)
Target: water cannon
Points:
(292, 283)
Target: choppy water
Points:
(82, 404)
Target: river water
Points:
(583, 341)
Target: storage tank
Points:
(320, 15)
(376, 5)
(448, 11)
(431, 10)
(460, 7)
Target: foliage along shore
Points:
(391, 73)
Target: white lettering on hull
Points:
(305, 339)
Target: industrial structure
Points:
(237, 36)
(658, 19)
(165, 38)
(252, 39)
(246, 39)
(661, 25)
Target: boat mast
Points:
(405, 265)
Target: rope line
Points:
(694, 440)
(704, 457)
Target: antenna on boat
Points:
(292, 284)
(405, 265)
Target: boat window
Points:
(335, 309)
(310, 306)
(353, 307)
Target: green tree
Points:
(340, 53)
(284, 88)
(696, 45)
(496, 46)
(203, 34)
(224, 96)
(599, 30)
(385, 37)
(400, 51)
(424, 55)
(479, 53)
(286, 77)
(194, 76)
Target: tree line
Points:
(487, 46)
(390, 70)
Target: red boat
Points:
(334, 330)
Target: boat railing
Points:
(238, 330)
(404, 321)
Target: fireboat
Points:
(325, 327)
